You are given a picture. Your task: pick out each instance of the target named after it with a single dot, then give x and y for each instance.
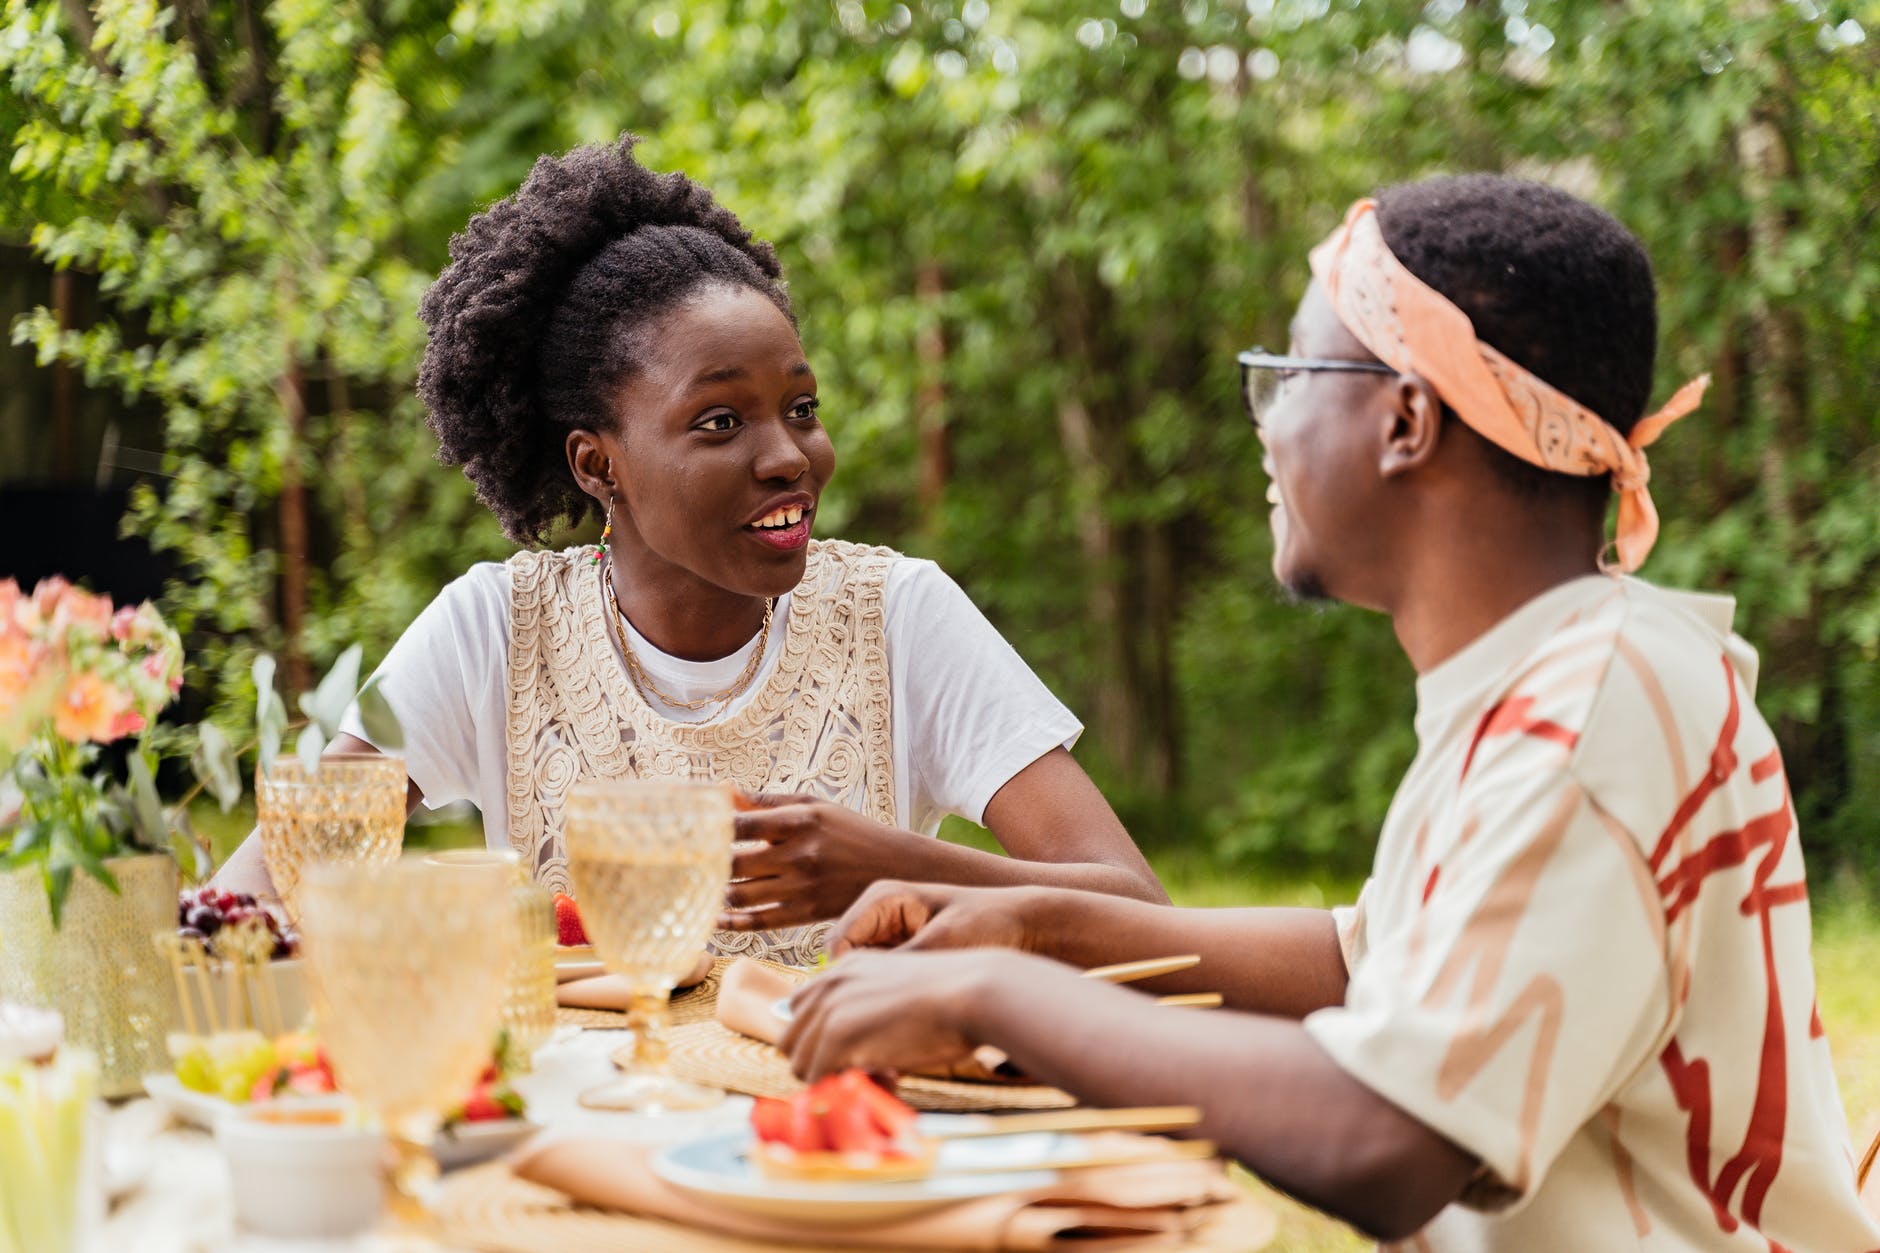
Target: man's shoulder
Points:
(1636, 690)
(1624, 665)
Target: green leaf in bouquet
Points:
(308, 747)
(58, 879)
(29, 838)
(146, 810)
(191, 852)
(335, 692)
(270, 713)
(215, 763)
(382, 726)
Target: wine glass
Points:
(352, 808)
(406, 962)
(529, 988)
(649, 860)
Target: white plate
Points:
(201, 1109)
(469, 1142)
(718, 1170)
(198, 1109)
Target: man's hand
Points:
(891, 1012)
(816, 858)
(933, 916)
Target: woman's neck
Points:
(680, 614)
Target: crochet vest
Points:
(820, 723)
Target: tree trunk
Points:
(930, 402)
(1117, 715)
(292, 390)
(64, 388)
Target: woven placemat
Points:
(697, 1003)
(706, 1052)
(489, 1209)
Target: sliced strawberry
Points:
(852, 1130)
(483, 1107)
(569, 932)
(892, 1115)
(804, 1130)
(267, 1083)
(309, 1080)
(770, 1119)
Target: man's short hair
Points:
(1555, 283)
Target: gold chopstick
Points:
(1145, 1118)
(1166, 1151)
(1148, 968)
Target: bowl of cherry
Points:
(206, 913)
(202, 913)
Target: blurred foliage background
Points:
(1025, 240)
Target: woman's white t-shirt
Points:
(968, 712)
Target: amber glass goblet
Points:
(649, 860)
(352, 809)
(529, 988)
(406, 963)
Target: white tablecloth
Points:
(175, 1184)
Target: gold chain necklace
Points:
(643, 682)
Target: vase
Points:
(99, 968)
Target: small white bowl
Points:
(303, 1180)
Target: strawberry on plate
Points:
(844, 1126)
(569, 932)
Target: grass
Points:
(1847, 934)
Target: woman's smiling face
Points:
(716, 450)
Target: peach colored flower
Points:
(82, 613)
(90, 709)
(19, 658)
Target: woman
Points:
(612, 341)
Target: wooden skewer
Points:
(1192, 1000)
(1175, 1151)
(1148, 968)
(1146, 1118)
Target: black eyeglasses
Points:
(1264, 375)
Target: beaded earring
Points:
(607, 532)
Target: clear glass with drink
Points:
(649, 860)
(406, 962)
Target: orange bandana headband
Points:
(1414, 328)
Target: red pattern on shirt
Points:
(1756, 1163)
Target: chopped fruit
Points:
(568, 930)
(843, 1126)
(491, 1098)
(203, 912)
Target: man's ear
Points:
(1413, 427)
(593, 470)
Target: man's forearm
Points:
(1270, 1096)
(1284, 962)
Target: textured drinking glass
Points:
(529, 989)
(406, 961)
(352, 809)
(649, 860)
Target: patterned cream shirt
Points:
(1583, 953)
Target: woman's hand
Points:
(933, 916)
(817, 858)
(891, 1012)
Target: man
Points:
(1573, 1007)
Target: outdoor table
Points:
(182, 1203)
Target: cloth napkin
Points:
(615, 993)
(1082, 1209)
(749, 989)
